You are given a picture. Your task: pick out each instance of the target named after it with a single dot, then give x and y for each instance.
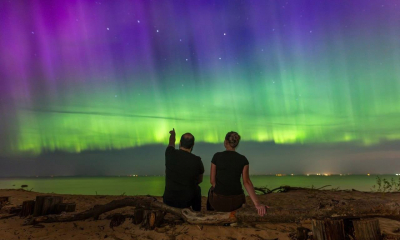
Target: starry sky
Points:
(82, 76)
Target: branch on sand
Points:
(265, 190)
(139, 202)
(294, 205)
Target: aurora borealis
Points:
(110, 75)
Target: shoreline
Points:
(154, 185)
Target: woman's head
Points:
(232, 140)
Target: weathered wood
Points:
(27, 208)
(367, 229)
(152, 219)
(302, 233)
(117, 220)
(9, 216)
(11, 209)
(39, 205)
(65, 207)
(146, 219)
(389, 236)
(328, 229)
(291, 206)
(4, 199)
(138, 216)
(46, 205)
(141, 202)
(158, 219)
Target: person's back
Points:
(226, 193)
(230, 166)
(183, 172)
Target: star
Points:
(138, 21)
(33, 32)
(220, 58)
(180, 40)
(108, 29)
(187, 59)
(157, 30)
(224, 34)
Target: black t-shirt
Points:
(182, 170)
(230, 166)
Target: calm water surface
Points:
(154, 185)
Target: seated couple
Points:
(184, 171)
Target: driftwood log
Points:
(27, 208)
(140, 202)
(341, 229)
(328, 229)
(367, 229)
(65, 207)
(4, 199)
(138, 216)
(46, 205)
(302, 233)
(291, 206)
(152, 219)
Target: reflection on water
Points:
(154, 185)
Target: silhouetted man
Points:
(183, 173)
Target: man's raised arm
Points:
(172, 138)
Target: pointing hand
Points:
(172, 132)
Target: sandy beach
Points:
(173, 228)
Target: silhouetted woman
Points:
(226, 193)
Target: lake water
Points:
(154, 185)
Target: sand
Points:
(99, 229)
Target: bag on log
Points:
(46, 205)
(27, 208)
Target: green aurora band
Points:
(311, 75)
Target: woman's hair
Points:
(233, 139)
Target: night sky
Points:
(309, 85)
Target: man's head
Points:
(187, 141)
